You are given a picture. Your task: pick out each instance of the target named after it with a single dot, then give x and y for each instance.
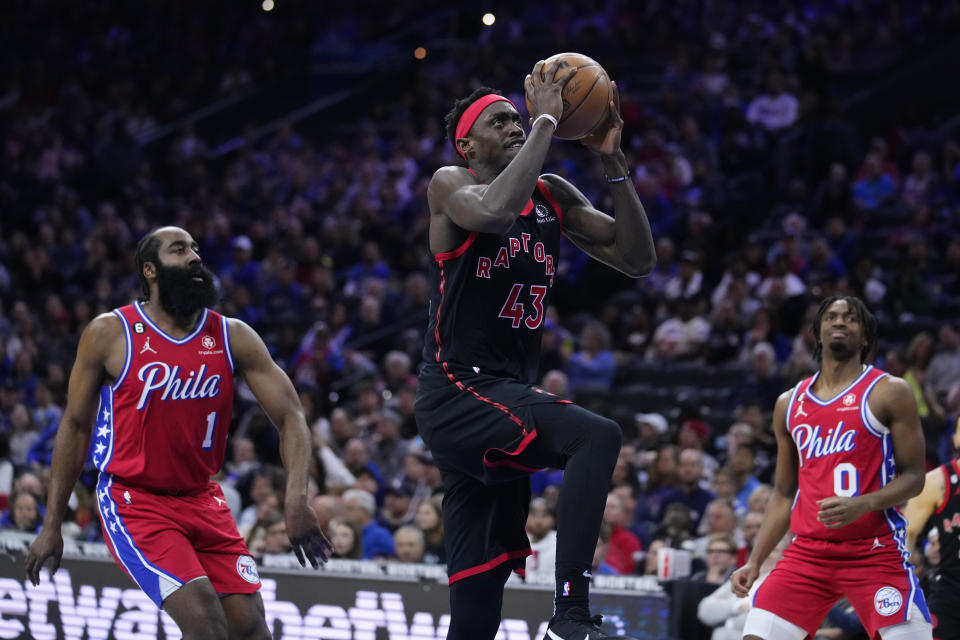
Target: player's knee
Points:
(607, 436)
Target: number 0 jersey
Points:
(162, 425)
(844, 450)
(490, 294)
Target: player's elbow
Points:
(640, 268)
(917, 480)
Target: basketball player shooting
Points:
(495, 230)
(849, 451)
(157, 376)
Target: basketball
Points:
(586, 96)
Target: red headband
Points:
(472, 113)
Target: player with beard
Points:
(849, 451)
(158, 376)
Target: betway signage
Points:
(91, 598)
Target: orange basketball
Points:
(586, 96)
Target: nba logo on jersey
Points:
(247, 569)
(887, 601)
(566, 588)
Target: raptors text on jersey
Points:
(162, 425)
(490, 295)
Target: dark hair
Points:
(868, 324)
(148, 250)
(459, 107)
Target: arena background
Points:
(783, 150)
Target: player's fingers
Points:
(297, 552)
(565, 77)
(538, 69)
(319, 550)
(30, 569)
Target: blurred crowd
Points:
(763, 196)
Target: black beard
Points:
(842, 350)
(180, 295)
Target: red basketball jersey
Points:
(844, 450)
(163, 424)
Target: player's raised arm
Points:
(625, 242)
(488, 134)
(73, 436)
(276, 394)
(776, 520)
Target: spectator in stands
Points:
(918, 356)
(361, 507)
(743, 465)
(409, 543)
(775, 109)
(688, 491)
(749, 529)
(265, 495)
(719, 518)
(24, 513)
(687, 282)
(944, 367)
(541, 529)
(387, 449)
(762, 379)
(919, 186)
(721, 554)
(876, 188)
(600, 565)
(396, 506)
(624, 547)
(684, 335)
(695, 434)
(23, 434)
(275, 540)
(758, 499)
(356, 456)
(556, 382)
(347, 540)
(727, 613)
(594, 365)
(429, 519)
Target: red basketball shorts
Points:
(164, 541)
(873, 573)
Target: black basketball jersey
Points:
(947, 521)
(489, 295)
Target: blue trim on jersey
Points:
(226, 341)
(193, 334)
(143, 572)
(128, 341)
(864, 416)
(823, 403)
(793, 397)
(101, 444)
(916, 594)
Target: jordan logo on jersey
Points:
(811, 444)
(160, 375)
(147, 347)
(800, 411)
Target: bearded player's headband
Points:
(472, 113)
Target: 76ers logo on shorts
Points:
(247, 569)
(887, 601)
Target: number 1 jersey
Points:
(844, 450)
(489, 295)
(162, 425)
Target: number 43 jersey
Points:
(844, 450)
(489, 295)
(162, 425)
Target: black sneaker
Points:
(576, 623)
